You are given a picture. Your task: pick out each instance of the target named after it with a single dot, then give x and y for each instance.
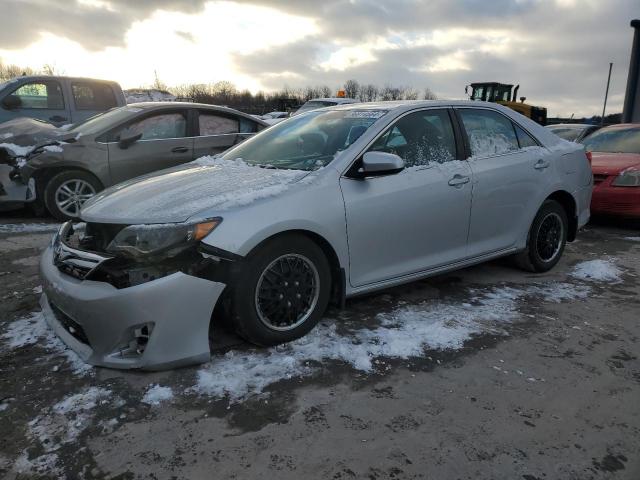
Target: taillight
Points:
(589, 157)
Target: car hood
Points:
(176, 194)
(613, 163)
(29, 131)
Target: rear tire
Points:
(547, 239)
(281, 291)
(66, 191)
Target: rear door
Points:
(414, 220)
(165, 143)
(90, 98)
(510, 170)
(219, 131)
(43, 99)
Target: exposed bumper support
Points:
(97, 320)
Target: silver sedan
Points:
(324, 206)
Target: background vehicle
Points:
(316, 103)
(58, 100)
(274, 117)
(267, 224)
(63, 173)
(501, 93)
(573, 132)
(615, 160)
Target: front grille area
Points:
(70, 325)
(70, 259)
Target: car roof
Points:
(580, 126)
(62, 77)
(334, 99)
(623, 125)
(205, 106)
(405, 105)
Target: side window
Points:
(157, 127)
(524, 139)
(489, 132)
(40, 95)
(93, 96)
(216, 124)
(420, 138)
(247, 126)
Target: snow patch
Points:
(60, 425)
(157, 394)
(28, 227)
(53, 148)
(403, 333)
(32, 330)
(17, 150)
(632, 239)
(597, 271)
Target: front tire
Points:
(547, 239)
(66, 192)
(281, 291)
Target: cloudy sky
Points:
(557, 50)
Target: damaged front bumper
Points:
(156, 325)
(13, 189)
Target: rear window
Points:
(93, 96)
(567, 133)
(614, 140)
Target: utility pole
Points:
(606, 94)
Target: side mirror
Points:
(466, 90)
(12, 102)
(127, 140)
(381, 163)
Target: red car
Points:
(615, 160)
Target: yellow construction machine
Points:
(506, 95)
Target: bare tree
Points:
(351, 88)
(410, 93)
(429, 95)
(368, 93)
(325, 91)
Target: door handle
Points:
(179, 150)
(459, 180)
(58, 118)
(541, 164)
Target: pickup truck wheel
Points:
(547, 239)
(281, 291)
(66, 192)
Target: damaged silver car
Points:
(324, 206)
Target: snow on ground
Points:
(156, 394)
(405, 332)
(32, 330)
(28, 227)
(632, 239)
(60, 425)
(597, 271)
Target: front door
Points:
(42, 99)
(164, 143)
(416, 219)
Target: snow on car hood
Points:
(176, 194)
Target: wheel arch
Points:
(43, 175)
(338, 275)
(569, 204)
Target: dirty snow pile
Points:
(157, 394)
(597, 271)
(28, 227)
(60, 425)
(405, 332)
(32, 330)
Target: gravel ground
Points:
(488, 372)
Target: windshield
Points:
(103, 121)
(305, 142)
(614, 140)
(568, 133)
